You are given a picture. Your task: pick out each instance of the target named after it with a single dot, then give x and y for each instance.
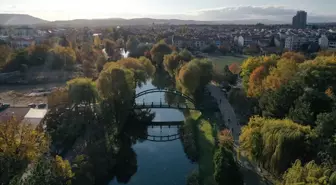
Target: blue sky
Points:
(183, 9)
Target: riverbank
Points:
(205, 143)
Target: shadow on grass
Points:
(205, 148)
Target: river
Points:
(160, 163)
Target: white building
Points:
(35, 116)
(293, 43)
(323, 42)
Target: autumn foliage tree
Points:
(158, 52)
(296, 57)
(235, 68)
(276, 152)
(20, 144)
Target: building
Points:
(323, 42)
(35, 116)
(293, 43)
(300, 20)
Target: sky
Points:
(179, 9)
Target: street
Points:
(250, 172)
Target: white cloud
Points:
(272, 13)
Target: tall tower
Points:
(300, 20)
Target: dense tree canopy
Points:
(195, 75)
(158, 52)
(275, 144)
(308, 174)
(20, 144)
(226, 170)
(82, 91)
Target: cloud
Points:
(271, 13)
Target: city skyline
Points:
(282, 10)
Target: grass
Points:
(221, 61)
(206, 146)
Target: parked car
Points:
(32, 105)
(4, 106)
(42, 106)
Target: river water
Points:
(160, 163)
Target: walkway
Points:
(250, 172)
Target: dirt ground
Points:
(17, 95)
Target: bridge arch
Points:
(171, 91)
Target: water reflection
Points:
(163, 163)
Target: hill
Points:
(19, 19)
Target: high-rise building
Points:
(300, 20)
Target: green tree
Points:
(111, 49)
(308, 174)
(308, 106)
(82, 91)
(185, 55)
(47, 170)
(296, 57)
(278, 103)
(5, 53)
(63, 57)
(171, 63)
(276, 152)
(20, 144)
(38, 54)
(226, 169)
(158, 52)
(132, 46)
(16, 60)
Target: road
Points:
(251, 173)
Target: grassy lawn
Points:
(221, 61)
(206, 146)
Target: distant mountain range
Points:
(24, 19)
(19, 19)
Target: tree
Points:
(194, 75)
(308, 106)
(97, 42)
(47, 170)
(277, 103)
(149, 67)
(326, 124)
(5, 53)
(20, 144)
(116, 86)
(235, 68)
(111, 49)
(256, 87)
(226, 170)
(308, 174)
(63, 57)
(296, 57)
(225, 139)
(252, 63)
(82, 91)
(38, 54)
(210, 48)
(89, 69)
(132, 46)
(64, 42)
(158, 52)
(141, 68)
(224, 49)
(276, 152)
(16, 60)
(185, 55)
(171, 62)
(285, 71)
(58, 97)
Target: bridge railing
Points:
(139, 104)
(172, 91)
